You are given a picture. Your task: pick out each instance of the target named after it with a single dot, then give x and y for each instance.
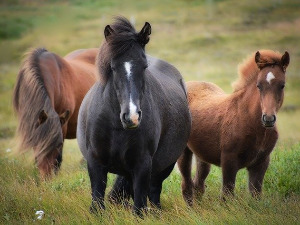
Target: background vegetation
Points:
(205, 40)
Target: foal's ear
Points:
(258, 60)
(108, 31)
(64, 117)
(285, 60)
(42, 118)
(144, 34)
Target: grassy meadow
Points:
(205, 40)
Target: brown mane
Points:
(248, 69)
(29, 98)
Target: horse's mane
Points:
(30, 96)
(248, 69)
(123, 38)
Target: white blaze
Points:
(132, 107)
(128, 69)
(270, 76)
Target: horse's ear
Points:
(258, 60)
(42, 117)
(285, 60)
(108, 31)
(144, 34)
(64, 117)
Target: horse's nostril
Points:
(126, 118)
(140, 115)
(269, 119)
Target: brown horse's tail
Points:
(31, 101)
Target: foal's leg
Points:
(185, 166)
(229, 165)
(156, 185)
(121, 191)
(141, 181)
(202, 172)
(256, 176)
(98, 177)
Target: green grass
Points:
(205, 40)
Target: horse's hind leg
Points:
(98, 178)
(121, 191)
(256, 177)
(156, 185)
(202, 172)
(185, 166)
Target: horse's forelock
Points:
(123, 37)
(248, 69)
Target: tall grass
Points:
(205, 40)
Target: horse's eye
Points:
(258, 86)
(282, 86)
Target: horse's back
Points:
(83, 55)
(200, 90)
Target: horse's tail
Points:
(39, 126)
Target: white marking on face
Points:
(133, 115)
(270, 76)
(128, 66)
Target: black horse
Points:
(135, 121)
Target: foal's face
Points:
(271, 83)
(129, 82)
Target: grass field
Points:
(205, 40)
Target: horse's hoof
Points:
(95, 206)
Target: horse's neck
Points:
(51, 74)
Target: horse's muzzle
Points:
(268, 121)
(131, 121)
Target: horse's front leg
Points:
(229, 164)
(202, 171)
(141, 182)
(256, 176)
(121, 191)
(98, 178)
(156, 185)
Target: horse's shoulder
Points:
(163, 67)
(165, 73)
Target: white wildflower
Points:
(40, 214)
(8, 150)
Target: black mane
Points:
(122, 39)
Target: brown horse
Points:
(235, 130)
(46, 99)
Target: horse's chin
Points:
(130, 127)
(268, 126)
